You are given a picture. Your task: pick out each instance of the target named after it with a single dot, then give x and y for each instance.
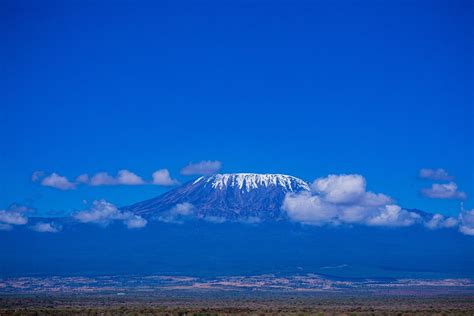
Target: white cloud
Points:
(135, 221)
(340, 188)
(205, 167)
(128, 178)
(444, 191)
(466, 219)
(308, 208)
(439, 221)
(449, 222)
(54, 180)
(177, 213)
(435, 174)
(343, 199)
(393, 215)
(46, 227)
(103, 213)
(12, 217)
(123, 177)
(182, 209)
(162, 177)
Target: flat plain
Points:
(245, 305)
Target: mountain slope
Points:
(238, 196)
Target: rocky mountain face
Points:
(239, 196)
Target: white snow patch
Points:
(252, 181)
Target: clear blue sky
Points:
(307, 88)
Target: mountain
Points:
(207, 248)
(237, 196)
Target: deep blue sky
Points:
(307, 88)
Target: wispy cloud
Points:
(57, 181)
(104, 213)
(37, 175)
(444, 191)
(435, 174)
(343, 198)
(205, 167)
(163, 177)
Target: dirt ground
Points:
(461, 305)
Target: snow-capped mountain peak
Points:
(252, 181)
(231, 196)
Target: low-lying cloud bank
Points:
(103, 213)
(17, 215)
(344, 199)
(332, 200)
(340, 199)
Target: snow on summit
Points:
(251, 181)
